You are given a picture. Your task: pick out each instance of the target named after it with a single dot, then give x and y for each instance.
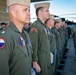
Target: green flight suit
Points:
(15, 52)
(52, 50)
(69, 31)
(61, 31)
(58, 44)
(64, 32)
(66, 37)
(74, 37)
(41, 46)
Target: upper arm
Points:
(4, 55)
(34, 41)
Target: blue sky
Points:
(58, 7)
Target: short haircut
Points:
(47, 20)
(37, 10)
(56, 22)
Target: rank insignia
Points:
(2, 43)
(21, 41)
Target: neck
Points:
(41, 19)
(49, 26)
(18, 25)
(56, 27)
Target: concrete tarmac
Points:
(70, 65)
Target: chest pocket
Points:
(28, 43)
(44, 32)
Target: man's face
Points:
(59, 24)
(23, 14)
(45, 13)
(51, 22)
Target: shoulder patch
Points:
(21, 42)
(2, 43)
(33, 30)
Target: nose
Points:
(29, 13)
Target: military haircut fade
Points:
(47, 20)
(37, 10)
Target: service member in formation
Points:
(53, 51)
(15, 46)
(40, 42)
(58, 41)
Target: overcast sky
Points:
(62, 8)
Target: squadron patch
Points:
(21, 41)
(33, 30)
(45, 31)
(2, 43)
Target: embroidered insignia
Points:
(33, 30)
(2, 43)
(28, 42)
(45, 31)
(21, 41)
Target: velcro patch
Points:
(21, 42)
(2, 43)
(33, 30)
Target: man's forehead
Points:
(46, 9)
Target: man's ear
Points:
(12, 11)
(40, 11)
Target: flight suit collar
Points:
(41, 22)
(11, 25)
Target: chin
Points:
(27, 22)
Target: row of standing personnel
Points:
(56, 31)
(47, 37)
(45, 50)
